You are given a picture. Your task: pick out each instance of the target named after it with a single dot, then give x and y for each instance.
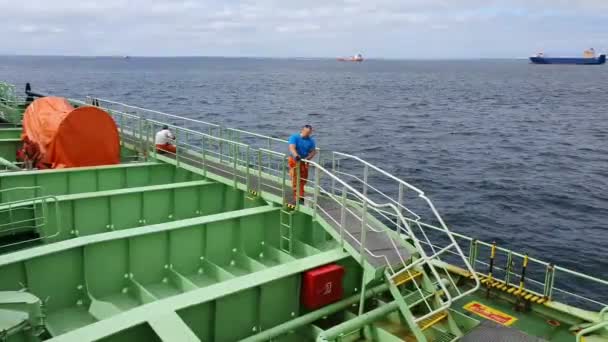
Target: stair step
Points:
(442, 336)
(416, 297)
(434, 319)
(402, 278)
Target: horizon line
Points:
(258, 57)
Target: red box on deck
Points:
(322, 286)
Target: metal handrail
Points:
(444, 229)
(361, 243)
(34, 201)
(152, 111)
(424, 258)
(404, 228)
(421, 194)
(406, 185)
(588, 330)
(601, 323)
(548, 287)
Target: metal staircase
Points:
(395, 254)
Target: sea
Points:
(507, 151)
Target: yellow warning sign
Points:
(490, 313)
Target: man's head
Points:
(306, 131)
(165, 127)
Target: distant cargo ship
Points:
(589, 58)
(356, 58)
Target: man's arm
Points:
(312, 154)
(292, 150)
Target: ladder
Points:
(286, 231)
(413, 288)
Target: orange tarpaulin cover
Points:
(68, 137)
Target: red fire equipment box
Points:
(322, 286)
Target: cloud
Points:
(26, 28)
(384, 28)
(298, 28)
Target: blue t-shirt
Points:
(303, 145)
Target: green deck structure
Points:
(204, 245)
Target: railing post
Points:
(320, 161)
(333, 171)
(234, 165)
(270, 149)
(509, 268)
(400, 198)
(204, 153)
(247, 168)
(365, 174)
(148, 135)
(297, 192)
(363, 232)
(473, 253)
(139, 128)
(343, 216)
(284, 176)
(259, 187)
(122, 130)
(177, 147)
(221, 145)
(316, 195)
(549, 280)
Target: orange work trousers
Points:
(166, 148)
(294, 177)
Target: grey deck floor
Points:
(492, 332)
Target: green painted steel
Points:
(161, 261)
(91, 179)
(102, 211)
(10, 133)
(8, 148)
(290, 326)
(21, 316)
(8, 165)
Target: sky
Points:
(409, 29)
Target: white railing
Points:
(361, 174)
(238, 160)
(26, 210)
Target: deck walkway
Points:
(380, 250)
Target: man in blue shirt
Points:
(301, 146)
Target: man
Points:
(164, 141)
(301, 146)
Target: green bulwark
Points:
(204, 245)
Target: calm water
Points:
(507, 151)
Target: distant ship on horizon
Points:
(356, 58)
(589, 58)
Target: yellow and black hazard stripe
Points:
(489, 280)
(517, 291)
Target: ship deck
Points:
(194, 244)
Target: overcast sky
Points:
(303, 28)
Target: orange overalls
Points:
(294, 177)
(166, 148)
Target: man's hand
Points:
(297, 158)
